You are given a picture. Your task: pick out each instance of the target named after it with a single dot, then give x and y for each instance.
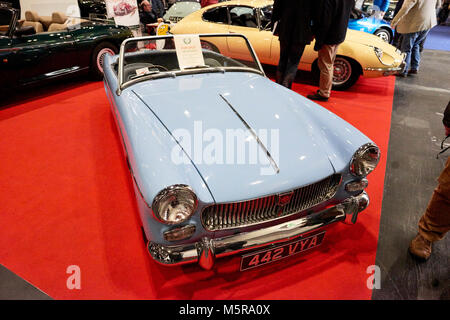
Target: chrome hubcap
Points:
(342, 71)
(383, 36)
(101, 57)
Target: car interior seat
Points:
(59, 22)
(248, 20)
(32, 19)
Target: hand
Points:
(447, 131)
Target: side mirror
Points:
(25, 31)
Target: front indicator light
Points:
(180, 233)
(357, 185)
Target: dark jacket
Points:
(446, 119)
(331, 22)
(158, 8)
(148, 17)
(294, 19)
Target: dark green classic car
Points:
(43, 48)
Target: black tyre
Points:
(383, 34)
(98, 57)
(346, 73)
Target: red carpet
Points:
(67, 199)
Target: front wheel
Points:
(384, 35)
(346, 73)
(98, 57)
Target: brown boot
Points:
(420, 247)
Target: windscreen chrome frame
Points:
(122, 85)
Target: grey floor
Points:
(13, 287)
(411, 175)
(412, 170)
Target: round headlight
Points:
(174, 204)
(365, 160)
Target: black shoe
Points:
(401, 75)
(413, 72)
(317, 96)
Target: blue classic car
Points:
(224, 160)
(361, 21)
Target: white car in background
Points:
(181, 9)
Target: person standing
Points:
(158, 8)
(443, 12)
(413, 21)
(397, 41)
(148, 16)
(435, 222)
(292, 21)
(330, 28)
(380, 7)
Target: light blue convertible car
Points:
(224, 160)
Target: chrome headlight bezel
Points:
(368, 152)
(180, 193)
(378, 53)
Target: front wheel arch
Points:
(357, 71)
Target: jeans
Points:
(290, 55)
(411, 45)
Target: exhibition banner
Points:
(124, 12)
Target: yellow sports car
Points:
(360, 54)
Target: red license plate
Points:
(260, 258)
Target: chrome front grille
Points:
(245, 213)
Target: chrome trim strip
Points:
(383, 69)
(202, 250)
(252, 131)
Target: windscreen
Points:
(149, 58)
(5, 20)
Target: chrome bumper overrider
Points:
(207, 250)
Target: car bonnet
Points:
(199, 109)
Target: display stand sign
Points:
(124, 12)
(189, 51)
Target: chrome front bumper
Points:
(207, 250)
(389, 71)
